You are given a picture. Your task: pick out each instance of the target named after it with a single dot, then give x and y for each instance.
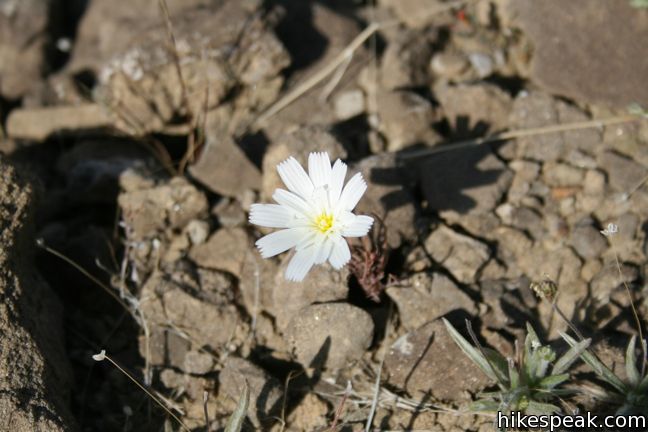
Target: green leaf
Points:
(498, 363)
(484, 405)
(599, 368)
(552, 381)
(631, 363)
(541, 408)
(235, 422)
(472, 353)
(570, 357)
(514, 375)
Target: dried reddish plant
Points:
(369, 259)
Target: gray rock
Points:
(448, 64)
(624, 174)
(463, 256)
(427, 361)
(424, 297)
(173, 204)
(404, 63)
(574, 58)
(389, 196)
(562, 174)
(166, 305)
(608, 279)
(35, 377)
(406, 119)
(265, 391)
(349, 104)
(529, 220)
(221, 157)
(25, 27)
(464, 182)
(414, 13)
(480, 108)
(526, 172)
(329, 335)
(198, 363)
(587, 239)
(322, 284)
(536, 109)
(224, 250)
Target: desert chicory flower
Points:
(315, 213)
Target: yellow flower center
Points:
(324, 222)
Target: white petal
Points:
(280, 241)
(292, 201)
(271, 215)
(324, 251)
(295, 178)
(300, 264)
(319, 169)
(338, 173)
(358, 227)
(340, 254)
(352, 192)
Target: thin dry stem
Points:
(522, 133)
(150, 394)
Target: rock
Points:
(389, 197)
(463, 256)
(322, 284)
(220, 158)
(256, 282)
(310, 414)
(197, 231)
(319, 335)
(198, 363)
(25, 27)
(512, 244)
(204, 323)
(464, 182)
(536, 109)
(448, 64)
(414, 13)
(608, 278)
(35, 377)
(230, 213)
(594, 182)
(39, 123)
(349, 104)
(265, 391)
(225, 250)
(526, 172)
(587, 239)
(624, 174)
(405, 118)
(574, 58)
(474, 109)
(427, 361)
(172, 204)
(482, 63)
(562, 174)
(299, 144)
(529, 220)
(424, 297)
(404, 64)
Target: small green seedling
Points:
(631, 395)
(527, 385)
(235, 422)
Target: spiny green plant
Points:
(526, 384)
(629, 395)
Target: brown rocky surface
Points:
(35, 376)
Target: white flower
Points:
(610, 230)
(315, 214)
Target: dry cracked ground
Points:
(137, 155)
